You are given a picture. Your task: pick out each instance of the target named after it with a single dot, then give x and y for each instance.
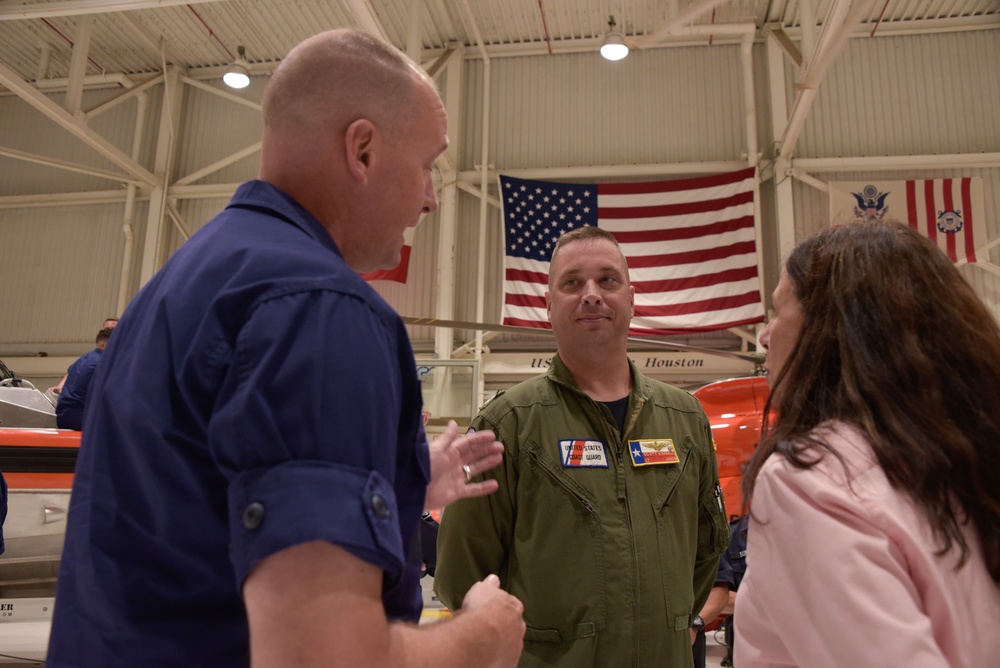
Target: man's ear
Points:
(548, 304)
(359, 144)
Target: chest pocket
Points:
(673, 480)
(557, 564)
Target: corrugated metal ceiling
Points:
(135, 37)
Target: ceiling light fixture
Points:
(614, 47)
(236, 75)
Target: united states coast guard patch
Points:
(653, 451)
(582, 452)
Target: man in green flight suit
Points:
(609, 520)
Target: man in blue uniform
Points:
(76, 388)
(251, 480)
(722, 599)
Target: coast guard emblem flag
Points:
(947, 211)
(690, 246)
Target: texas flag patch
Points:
(582, 452)
(647, 452)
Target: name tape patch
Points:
(582, 452)
(647, 452)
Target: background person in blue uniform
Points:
(73, 397)
(53, 392)
(251, 480)
(722, 599)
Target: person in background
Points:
(609, 520)
(73, 397)
(250, 484)
(874, 535)
(53, 392)
(722, 599)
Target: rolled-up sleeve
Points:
(308, 432)
(352, 508)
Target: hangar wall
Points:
(894, 95)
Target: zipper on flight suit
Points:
(562, 483)
(622, 441)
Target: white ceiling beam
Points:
(219, 164)
(143, 35)
(62, 199)
(67, 166)
(367, 18)
(841, 20)
(131, 90)
(43, 10)
(74, 126)
(898, 162)
(256, 106)
(679, 23)
(782, 39)
(599, 171)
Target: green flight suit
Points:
(612, 560)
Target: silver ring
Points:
(468, 472)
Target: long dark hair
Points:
(895, 342)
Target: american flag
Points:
(689, 245)
(950, 212)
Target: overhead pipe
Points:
(105, 80)
(128, 219)
(879, 21)
(69, 41)
(78, 63)
(750, 120)
(484, 181)
(545, 27)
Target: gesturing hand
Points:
(455, 460)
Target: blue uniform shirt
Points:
(733, 562)
(73, 398)
(259, 395)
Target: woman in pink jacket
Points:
(875, 531)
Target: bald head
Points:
(335, 78)
(352, 128)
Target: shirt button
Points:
(380, 507)
(253, 515)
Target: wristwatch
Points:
(698, 624)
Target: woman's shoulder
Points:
(836, 451)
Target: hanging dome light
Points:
(614, 47)
(237, 74)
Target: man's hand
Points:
(506, 615)
(455, 460)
